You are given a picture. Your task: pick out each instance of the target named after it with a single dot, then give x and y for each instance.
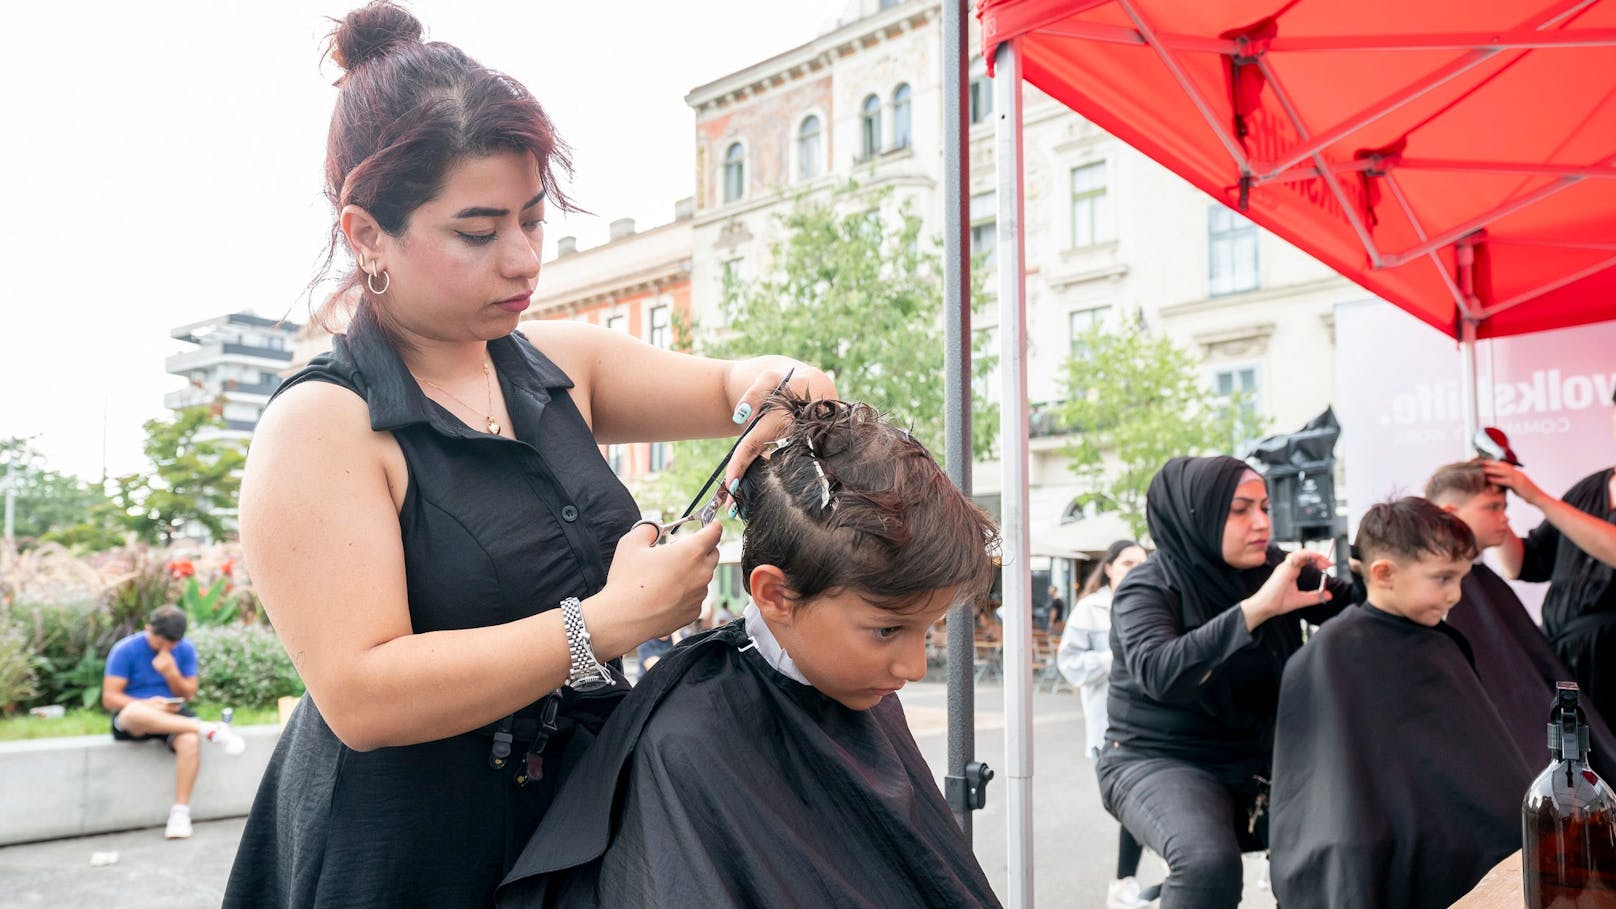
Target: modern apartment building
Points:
(236, 360)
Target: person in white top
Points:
(1084, 658)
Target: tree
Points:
(1136, 396)
(854, 290)
(46, 503)
(194, 478)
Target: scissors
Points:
(1324, 578)
(710, 510)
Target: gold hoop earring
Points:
(370, 282)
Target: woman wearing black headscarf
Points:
(1200, 635)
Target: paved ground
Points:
(1073, 853)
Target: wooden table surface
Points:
(1500, 889)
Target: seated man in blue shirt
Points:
(150, 675)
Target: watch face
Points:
(591, 682)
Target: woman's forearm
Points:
(423, 687)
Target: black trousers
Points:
(1197, 820)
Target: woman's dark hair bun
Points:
(370, 32)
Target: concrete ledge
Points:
(51, 788)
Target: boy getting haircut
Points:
(1396, 783)
(1517, 664)
(767, 762)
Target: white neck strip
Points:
(769, 646)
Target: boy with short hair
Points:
(1517, 664)
(150, 675)
(1396, 783)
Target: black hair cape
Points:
(721, 782)
(1396, 783)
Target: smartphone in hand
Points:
(174, 701)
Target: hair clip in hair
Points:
(769, 448)
(824, 482)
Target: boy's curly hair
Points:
(894, 527)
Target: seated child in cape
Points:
(768, 762)
(1516, 662)
(1396, 783)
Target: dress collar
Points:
(396, 399)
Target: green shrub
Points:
(243, 665)
(69, 643)
(17, 683)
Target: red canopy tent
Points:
(1456, 158)
(1396, 141)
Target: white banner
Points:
(1399, 401)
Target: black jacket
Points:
(1204, 693)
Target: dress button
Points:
(569, 513)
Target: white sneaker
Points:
(222, 735)
(1124, 894)
(179, 825)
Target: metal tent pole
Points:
(1465, 255)
(1017, 585)
(957, 397)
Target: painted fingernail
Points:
(733, 511)
(734, 485)
(742, 412)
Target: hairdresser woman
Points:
(430, 524)
(1200, 635)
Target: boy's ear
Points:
(1449, 507)
(1381, 571)
(771, 594)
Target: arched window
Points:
(870, 127)
(902, 126)
(809, 136)
(734, 172)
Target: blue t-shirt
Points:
(131, 659)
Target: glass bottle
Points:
(1568, 820)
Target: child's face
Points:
(855, 652)
(1420, 590)
(1485, 513)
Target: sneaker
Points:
(1124, 894)
(179, 825)
(222, 735)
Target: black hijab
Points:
(1186, 507)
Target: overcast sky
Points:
(162, 165)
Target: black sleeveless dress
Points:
(494, 529)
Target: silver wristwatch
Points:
(587, 672)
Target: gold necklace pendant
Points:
(493, 426)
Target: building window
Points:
(870, 128)
(1231, 252)
(661, 453)
(986, 381)
(1079, 323)
(984, 229)
(1240, 386)
(617, 323)
(809, 142)
(614, 458)
(888, 4)
(1091, 207)
(902, 117)
(734, 172)
(659, 335)
(981, 92)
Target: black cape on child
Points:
(721, 782)
(1519, 668)
(1396, 783)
